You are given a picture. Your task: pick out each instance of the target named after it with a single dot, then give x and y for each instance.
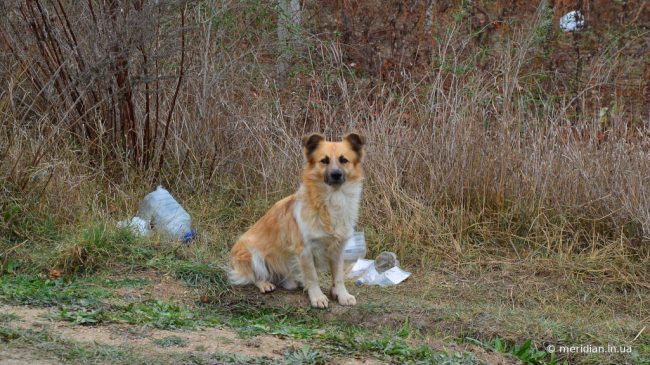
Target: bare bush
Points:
(462, 159)
(100, 70)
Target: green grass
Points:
(36, 291)
(90, 301)
(154, 313)
(310, 355)
(305, 355)
(101, 246)
(330, 339)
(225, 359)
(99, 260)
(121, 283)
(250, 321)
(390, 346)
(171, 341)
(8, 317)
(47, 344)
(208, 278)
(36, 244)
(524, 352)
(159, 314)
(81, 301)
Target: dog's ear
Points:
(310, 143)
(356, 142)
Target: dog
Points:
(307, 230)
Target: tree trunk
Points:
(289, 37)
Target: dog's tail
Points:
(247, 266)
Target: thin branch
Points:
(173, 104)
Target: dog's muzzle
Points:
(335, 177)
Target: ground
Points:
(31, 333)
(152, 316)
(104, 295)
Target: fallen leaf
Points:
(53, 274)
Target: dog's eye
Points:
(325, 161)
(343, 160)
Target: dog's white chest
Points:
(343, 209)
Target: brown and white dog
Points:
(307, 229)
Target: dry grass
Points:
(473, 166)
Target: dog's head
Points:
(333, 163)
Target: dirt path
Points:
(143, 339)
(21, 357)
(378, 310)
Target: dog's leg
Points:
(339, 291)
(265, 286)
(310, 279)
(289, 284)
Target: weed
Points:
(68, 351)
(207, 278)
(231, 359)
(81, 314)
(304, 355)
(80, 301)
(390, 346)
(8, 317)
(8, 334)
(525, 352)
(120, 283)
(171, 341)
(200, 348)
(36, 291)
(100, 247)
(157, 313)
(281, 321)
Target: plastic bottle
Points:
(166, 215)
(354, 248)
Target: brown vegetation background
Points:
(491, 132)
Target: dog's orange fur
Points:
(307, 228)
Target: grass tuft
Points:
(171, 341)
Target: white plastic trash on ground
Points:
(138, 225)
(572, 21)
(365, 272)
(384, 271)
(161, 211)
(354, 248)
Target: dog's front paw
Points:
(265, 286)
(318, 300)
(347, 299)
(342, 295)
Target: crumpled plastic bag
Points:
(138, 225)
(572, 21)
(365, 272)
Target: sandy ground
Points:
(140, 339)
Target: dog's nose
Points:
(335, 177)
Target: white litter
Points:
(572, 21)
(354, 248)
(138, 225)
(396, 275)
(365, 272)
(385, 261)
(160, 210)
(360, 267)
